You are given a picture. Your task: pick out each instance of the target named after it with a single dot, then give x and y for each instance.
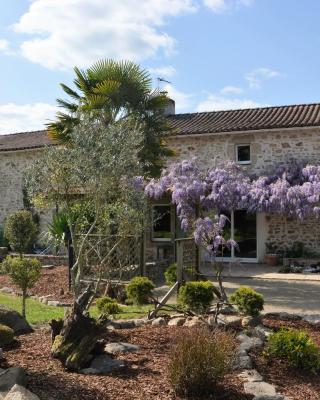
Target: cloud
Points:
(64, 33)
(220, 6)
(256, 76)
(231, 90)
(19, 118)
(4, 45)
(166, 71)
(183, 100)
(215, 102)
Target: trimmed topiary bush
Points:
(199, 360)
(139, 289)
(20, 230)
(6, 335)
(24, 273)
(108, 306)
(248, 300)
(296, 347)
(196, 296)
(171, 274)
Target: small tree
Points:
(20, 230)
(24, 273)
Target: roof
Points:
(293, 116)
(24, 141)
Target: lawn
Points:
(38, 313)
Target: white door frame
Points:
(233, 256)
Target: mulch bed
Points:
(144, 376)
(53, 282)
(289, 381)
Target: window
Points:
(161, 223)
(243, 155)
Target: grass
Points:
(38, 313)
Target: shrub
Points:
(171, 274)
(6, 335)
(248, 300)
(20, 230)
(108, 306)
(196, 296)
(139, 289)
(199, 360)
(24, 273)
(296, 347)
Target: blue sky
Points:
(217, 54)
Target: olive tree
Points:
(94, 181)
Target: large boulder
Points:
(14, 320)
(6, 335)
(18, 392)
(103, 365)
(12, 376)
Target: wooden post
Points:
(70, 260)
(179, 261)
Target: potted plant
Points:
(271, 257)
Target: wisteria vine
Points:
(293, 190)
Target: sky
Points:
(216, 54)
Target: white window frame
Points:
(243, 162)
(152, 231)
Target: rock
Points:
(229, 320)
(211, 320)
(1, 354)
(259, 388)
(14, 320)
(6, 290)
(250, 322)
(195, 321)
(113, 348)
(18, 392)
(140, 322)
(89, 371)
(262, 332)
(159, 321)
(244, 362)
(250, 375)
(49, 266)
(53, 303)
(178, 321)
(104, 364)
(11, 376)
(247, 343)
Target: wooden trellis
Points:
(112, 257)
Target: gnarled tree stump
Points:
(75, 337)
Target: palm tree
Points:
(112, 90)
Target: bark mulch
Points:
(289, 381)
(53, 282)
(144, 376)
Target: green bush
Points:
(296, 347)
(248, 300)
(24, 273)
(20, 230)
(139, 289)
(171, 274)
(108, 306)
(196, 296)
(6, 335)
(199, 360)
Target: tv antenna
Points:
(159, 79)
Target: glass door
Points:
(241, 227)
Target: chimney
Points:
(170, 108)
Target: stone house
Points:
(257, 139)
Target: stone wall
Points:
(13, 166)
(268, 148)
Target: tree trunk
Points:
(24, 295)
(75, 337)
